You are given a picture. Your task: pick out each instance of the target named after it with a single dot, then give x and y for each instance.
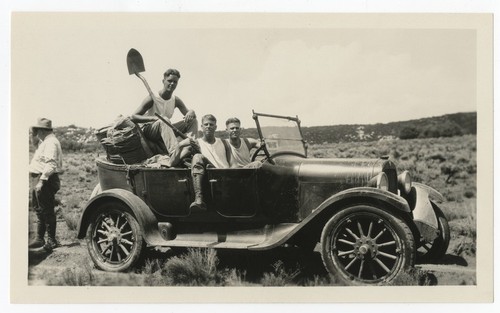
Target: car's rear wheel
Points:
(114, 239)
(430, 252)
(363, 244)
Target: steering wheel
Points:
(261, 151)
(270, 157)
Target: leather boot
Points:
(40, 234)
(198, 204)
(51, 232)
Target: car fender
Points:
(336, 202)
(423, 213)
(364, 193)
(145, 217)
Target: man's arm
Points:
(138, 115)
(254, 143)
(189, 115)
(176, 155)
(49, 155)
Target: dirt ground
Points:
(48, 268)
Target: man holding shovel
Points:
(164, 104)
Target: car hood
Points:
(351, 171)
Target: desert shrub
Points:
(152, 273)
(71, 218)
(73, 276)
(450, 170)
(465, 227)
(73, 161)
(279, 276)
(471, 168)
(72, 201)
(437, 156)
(469, 194)
(91, 169)
(395, 154)
(466, 246)
(70, 145)
(414, 277)
(318, 281)
(409, 132)
(198, 267)
(234, 277)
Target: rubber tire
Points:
(396, 226)
(441, 243)
(136, 251)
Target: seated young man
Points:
(164, 104)
(213, 152)
(240, 147)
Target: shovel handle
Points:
(145, 84)
(176, 131)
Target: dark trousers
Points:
(44, 204)
(198, 164)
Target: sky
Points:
(327, 69)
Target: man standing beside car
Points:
(164, 104)
(240, 147)
(44, 171)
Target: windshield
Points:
(281, 133)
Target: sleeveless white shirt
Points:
(215, 153)
(163, 107)
(239, 156)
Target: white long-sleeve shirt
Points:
(48, 158)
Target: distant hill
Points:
(76, 138)
(440, 126)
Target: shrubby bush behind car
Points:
(371, 222)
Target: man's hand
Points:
(39, 185)
(195, 146)
(185, 142)
(190, 116)
(189, 142)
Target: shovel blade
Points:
(135, 64)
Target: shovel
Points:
(135, 65)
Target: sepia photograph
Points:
(251, 157)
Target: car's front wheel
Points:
(363, 244)
(114, 239)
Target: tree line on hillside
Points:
(434, 127)
(75, 138)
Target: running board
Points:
(264, 238)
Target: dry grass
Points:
(415, 277)
(198, 267)
(280, 276)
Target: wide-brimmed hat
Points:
(43, 123)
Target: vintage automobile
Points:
(371, 223)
